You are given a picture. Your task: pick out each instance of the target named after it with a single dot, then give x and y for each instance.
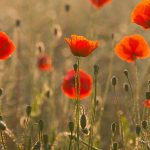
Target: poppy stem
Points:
(93, 111)
(137, 92)
(77, 85)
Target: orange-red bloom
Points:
(7, 47)
(44, 62)
(141, 14)
(99, 3)
(68, 86)
(132, 47)
(147, 103)
(80, 46)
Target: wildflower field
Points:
(75, 75)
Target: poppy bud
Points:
(2, 126)
(18, 22)
(96, 69)
(37, 146)
(71, 126)
(75, 67)
(147, 95)
(138, 129)
(85, 131)
(1, 118)
(144, 124)
(113, 127)
(45, 139)
(114, 81)
(41, 125)
(126, 87)
(1, 91)
(126, 72)
(115, 146)
(28, 110)
(67, 7)
(83, 121)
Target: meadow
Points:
(75, 75)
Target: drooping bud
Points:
(138, 129)
(71, 126)
(28, 110)
(126, 87)
(114, 81)
(126, 73)
(85, 131)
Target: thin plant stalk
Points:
(77, 87)
(93, 113)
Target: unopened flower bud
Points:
(113, 127)
(126, 72)
(126, 87)
(115, 146)
(71, 126)
(83, 121)
(138, 129)
(75, 67)
(114, 81)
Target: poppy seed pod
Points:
(125, 72)
(114, 80)
(96, 69)
(75, 67)
(144, 124)
(113, 127)
(41, 125)
(28, 110)
(138, 129)
(83, 121)
(147, 95)
(71, 126)
(2, 126)
(126, 87)
(115, 146)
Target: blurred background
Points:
(34, 22)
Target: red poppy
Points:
(44, 62)
(68, 86)
(132, 47)
(99, 3)
(141, 14)
(7, 47)
(147, 103)
(80, 46)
